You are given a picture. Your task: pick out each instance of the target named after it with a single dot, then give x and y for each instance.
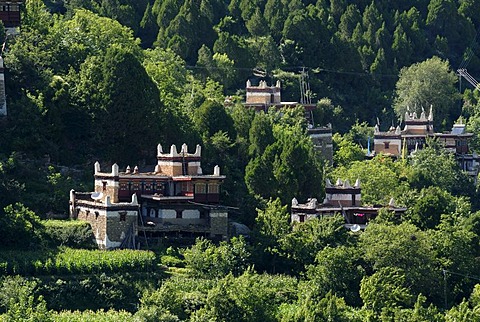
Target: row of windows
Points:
(159, 186)
(11, 7)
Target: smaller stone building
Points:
(173, 198)
(341, 198)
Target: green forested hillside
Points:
(353, 50)
(91, 80)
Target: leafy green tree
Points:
(425, 84)
(300, 28)
(124, 107)
(402, 247)
(21, 302)
(20, 227)
(386, 288)
(310, 237)
(337, 270)
(249, 297)
(434, 166)
(206, 260)
(467, 9)
(169, 74)
(174, 300)
(328, 308)
(256, 25)
(275, 14)
(289, 167)
(429, 205)
(454, 244)
(346, 151)
(88, 34)
(10, 187)
(381, 179)
(261, 134)
(211, 117)
(272, 225)
(402, 47)
(462, 312)
(444, 20)
(348, 20)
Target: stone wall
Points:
(218, 223)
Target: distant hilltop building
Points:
(263, 97)
(10, 14)
(344, 199)
(173, 199)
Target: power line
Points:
(467, 276)
(300, 68)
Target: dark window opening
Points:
(179, 214)
(301, 218)
(104, 184)
(123, 215)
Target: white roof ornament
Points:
(134, 199)
(312, 203)
(430, 115)
(357, 183)
(391, 203)
(96, 167)
(115, 170)
(339, 182)
(422, 116)
(328, 183)
(173, 150)
(294, 202)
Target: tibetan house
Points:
(174, 198)
(343, 199)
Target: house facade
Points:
(398, 142)
(174, 198)
(344, 199)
